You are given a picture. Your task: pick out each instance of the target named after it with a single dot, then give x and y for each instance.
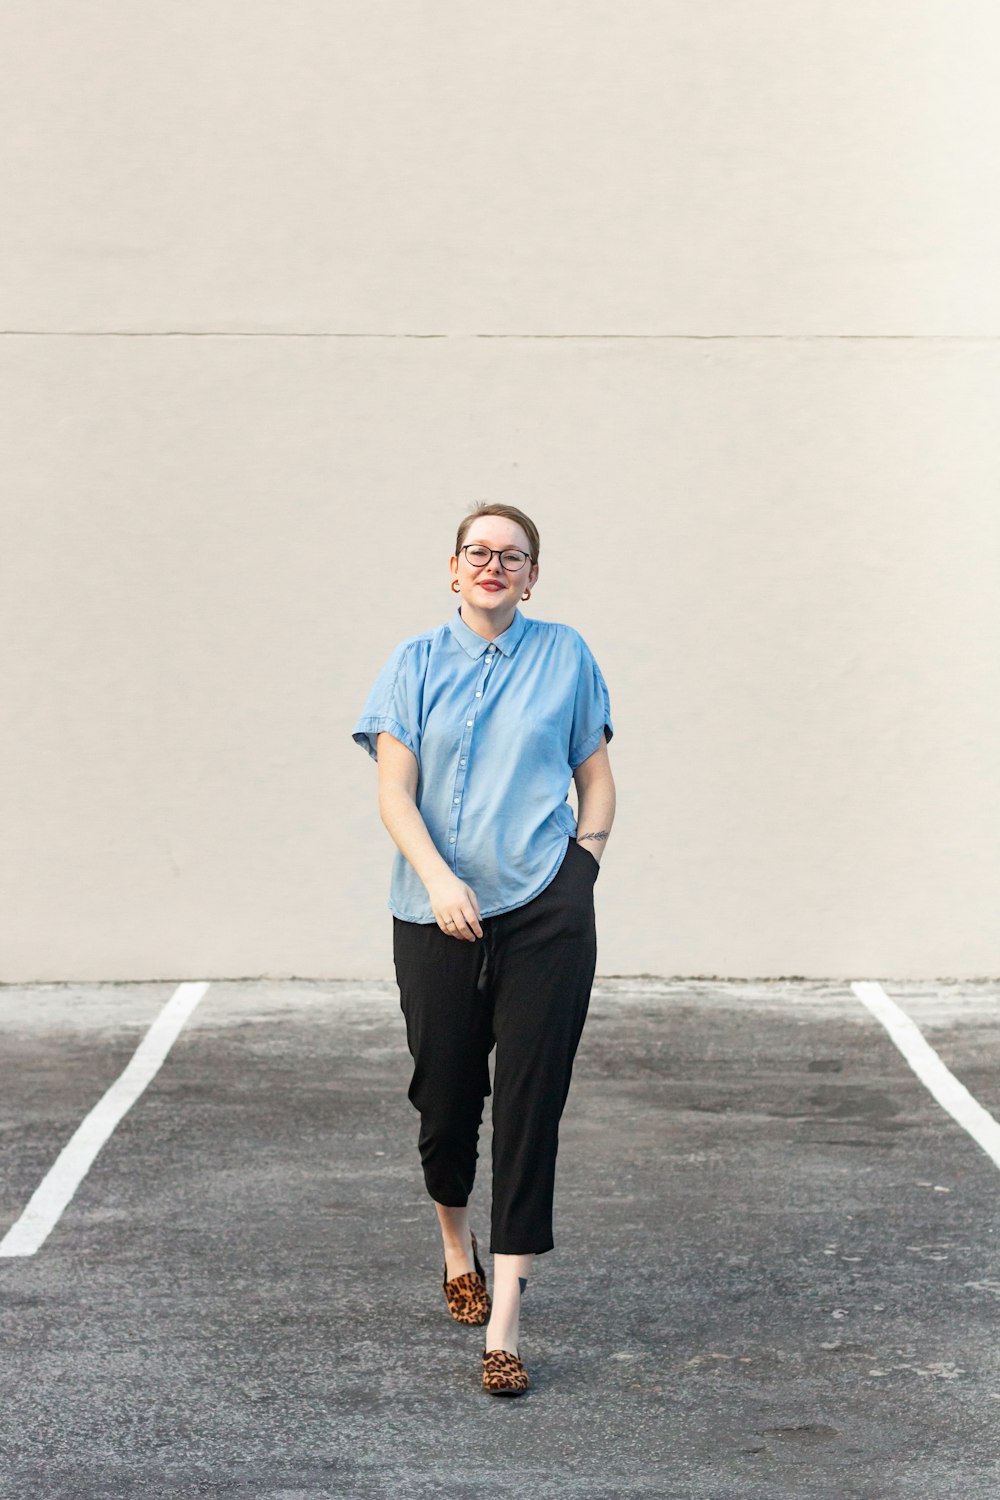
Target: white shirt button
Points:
(457, 801)
(492, 649)
(451, 841)
(461, 762)
(479, 695)
(468, 723)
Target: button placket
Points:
(489, 656)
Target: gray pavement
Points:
(776, 1273)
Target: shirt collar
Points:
(475, 644)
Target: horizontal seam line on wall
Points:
(231, 333)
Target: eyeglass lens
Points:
(479, 556)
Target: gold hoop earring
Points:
(525, 595)
(456, 587)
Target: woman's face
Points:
(490, 588)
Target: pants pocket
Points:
(592, 860)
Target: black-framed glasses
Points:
(510, 558)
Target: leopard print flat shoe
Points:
(467, 1297)
(504, 1373)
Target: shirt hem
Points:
(497, 911)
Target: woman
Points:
(477, 727)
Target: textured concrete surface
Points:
(776, 1271)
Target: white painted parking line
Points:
(73, 1163)
(936, 1078)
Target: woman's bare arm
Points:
(596, 799)
(397, 791)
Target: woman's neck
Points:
(489, 626)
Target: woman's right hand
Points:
(454, 902)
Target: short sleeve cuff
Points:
(590, 744)
(365, 733)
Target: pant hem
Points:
(531, 1250)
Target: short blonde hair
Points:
(512, 513)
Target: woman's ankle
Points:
(455, 1239)
(456, 1233)
(503, 1336)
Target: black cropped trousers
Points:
(525, 989)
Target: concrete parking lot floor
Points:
(776, 1273)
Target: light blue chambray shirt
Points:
(497, 727)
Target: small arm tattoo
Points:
(601, 833)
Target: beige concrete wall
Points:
(708, 290)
